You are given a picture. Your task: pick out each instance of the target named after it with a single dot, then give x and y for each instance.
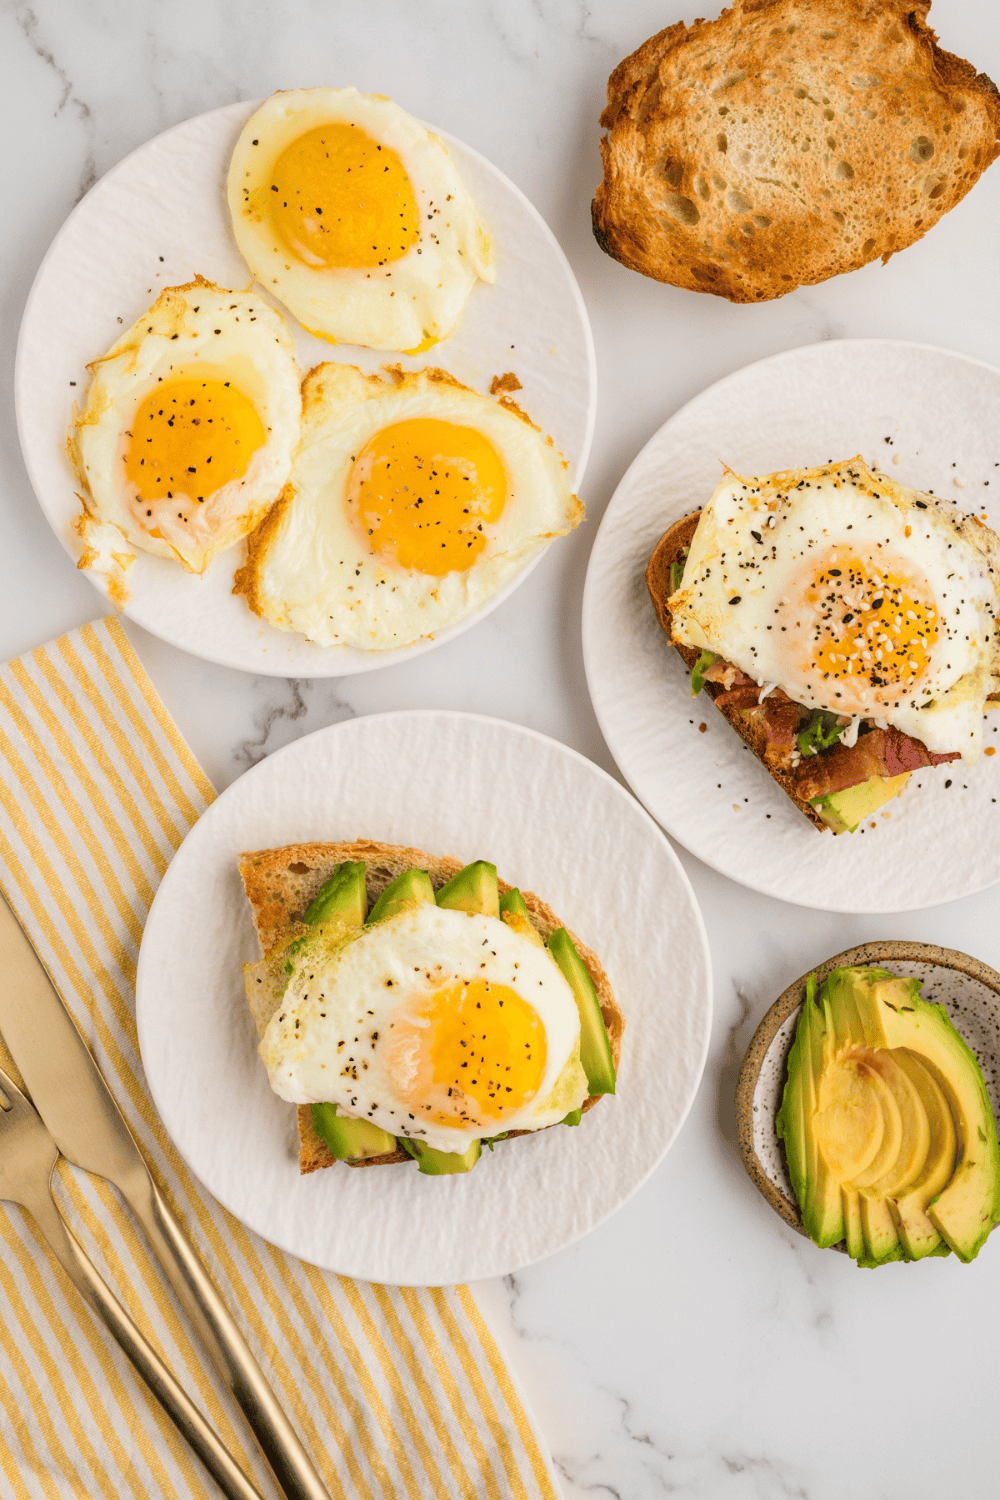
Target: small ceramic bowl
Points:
(968, 990)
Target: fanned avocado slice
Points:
(350, 1139)
(891, 1115)
(595, 1045)
(815, 1187)
(474, 889)
(408, 889)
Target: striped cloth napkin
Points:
(396, 1392)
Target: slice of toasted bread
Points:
(670, 549)
(786, 142)
(280, 884)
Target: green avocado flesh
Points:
(442, 1163)
(595, 1047)
(350, 1139)
(408, 889)
(343, 896)
(512, 904)
(843, 811)
(474, 888)
(887, 1126)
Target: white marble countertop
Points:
(692, 1345)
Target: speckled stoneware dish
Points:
(968, 990)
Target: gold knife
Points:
(67, 1089)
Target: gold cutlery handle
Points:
(183, 1413)
(292, 1468)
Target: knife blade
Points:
(69, 1092)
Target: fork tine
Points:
(28, 1155)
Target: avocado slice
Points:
(573, 1118)
(885, 1106)
(908, 1205)
(350, 1139)
(878, 1221)
(514, 912)
(409, 889)
(815, 1186)
(843, 811)
(968, 1206)
(343, 896)
(595, 1046)
(441, 1163)
(474, 888)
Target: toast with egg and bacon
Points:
(813, 753)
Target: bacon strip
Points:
(880, 752)
(781, 725)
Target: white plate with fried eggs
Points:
(475, 788)
(159, 219)
(928, 418)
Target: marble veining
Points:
(692, 1345)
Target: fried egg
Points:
(187, 435)
(853, 594)
(442, 1025)
(353, 215)
(412, 501)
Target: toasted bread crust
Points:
(669, 550)
(280, 884)
(787, 142)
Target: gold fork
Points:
(28, 1155)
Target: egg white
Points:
(407, 304)
(193, 329)
(740, 595)
(309, 568)
(329, 1036)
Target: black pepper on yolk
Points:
(482, 1053)
(423, 492)
(338, 198)
(189, 437)
(871, 626)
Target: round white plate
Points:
(939, 414)
(159, 218)
(449, 784)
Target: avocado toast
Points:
(284, 887)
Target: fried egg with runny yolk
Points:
(188, 431)
(352, 213)
(412, 502)
(854, 595)
(442, 1025)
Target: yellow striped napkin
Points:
(396, 1392)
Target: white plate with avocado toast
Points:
(931, 420)
(474, 788)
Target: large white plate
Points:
(475, 788)
(939, 414)
(158, 218)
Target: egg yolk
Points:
(338, 198)
(871, 624)
(423, 492)
(474, 1053)
(189, 437)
